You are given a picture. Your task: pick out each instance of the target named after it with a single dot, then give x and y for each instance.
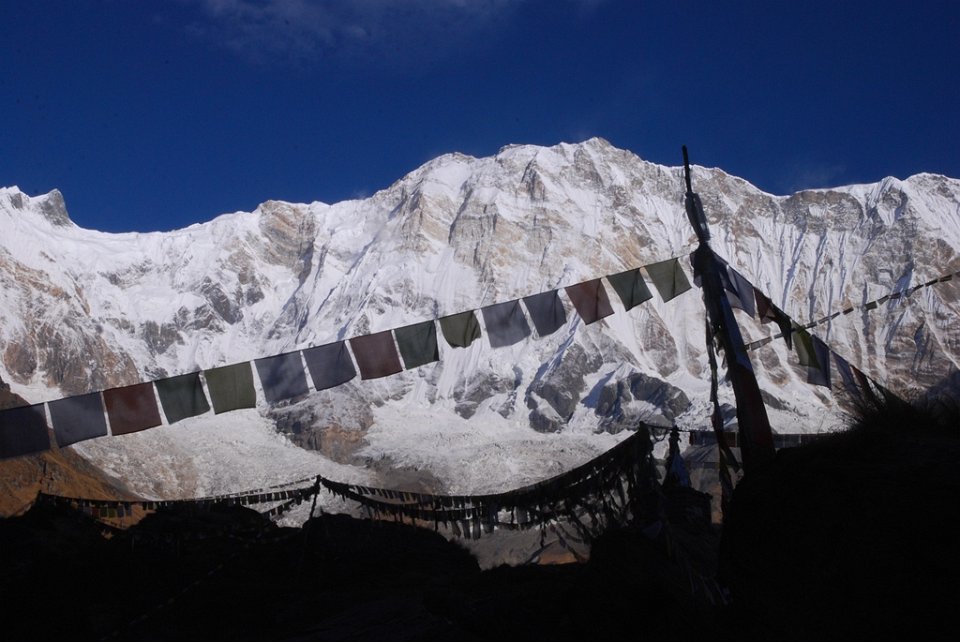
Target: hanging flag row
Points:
(129, 409)
(118, 508)
(813, 354)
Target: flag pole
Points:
(755, 438)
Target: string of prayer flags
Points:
(590, 300)
(231, 387)
(630, 287)
(668, 278)
(505, 323)
(131, 408)
(460, 330)
(23, 431)
(418, 344)
(769, 312)
(282, 377)
(330, 365)
(182, 397)
(78, 418)
(376, 355)
(546, 311)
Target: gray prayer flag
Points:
(846, 375)
(630, 287)
(23, 431)
(668, 278)
(546, 311)
(418, 344)
(820, 375)
(376, 355)
(330, 365)
(78, 418)
(741, 292)
(460, 330)
(590, 300)
(182, 396)
(131, 408)
(282, 377)
(231, 387)
(505, 323)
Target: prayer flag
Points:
(814, 356)
(505, 323)
(804, 347)
(282, 377)
(846, 376)
(767, 312)
(182, 396)
(376, 355)
(418, 344)
(820, 376)
(590, 300)
(23, 431)
(131, 408)
(741, 292)
(865, 387)
(546, 311)
(668, 278)
(330, 365)
(78, 418)
(630, 287)
(460, 330)
(231, 387)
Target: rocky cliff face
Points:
(82, 310)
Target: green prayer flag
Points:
(630, 287)
(668, 278)
(460, 330)
(418, 344)
(231, 387)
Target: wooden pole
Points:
(756, 438)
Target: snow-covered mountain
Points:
(83, 310)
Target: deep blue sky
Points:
(155, 114)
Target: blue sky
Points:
(154, 114)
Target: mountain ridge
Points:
(460, 233)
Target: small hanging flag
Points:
(740, 292)
(546, 311)
(505, 323)
(231, 387)
(804, 346)
(131, 408)
(668, 278)
(23, 431)
(460, 330)
(630, 287)
(282, 377)
(846, 376)
(182, 397)
(330, 365)
(590, 300)
(418, 344)
(810, 352)
(820, 376)
(768, 312)
(376, 355)
(78, 418)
